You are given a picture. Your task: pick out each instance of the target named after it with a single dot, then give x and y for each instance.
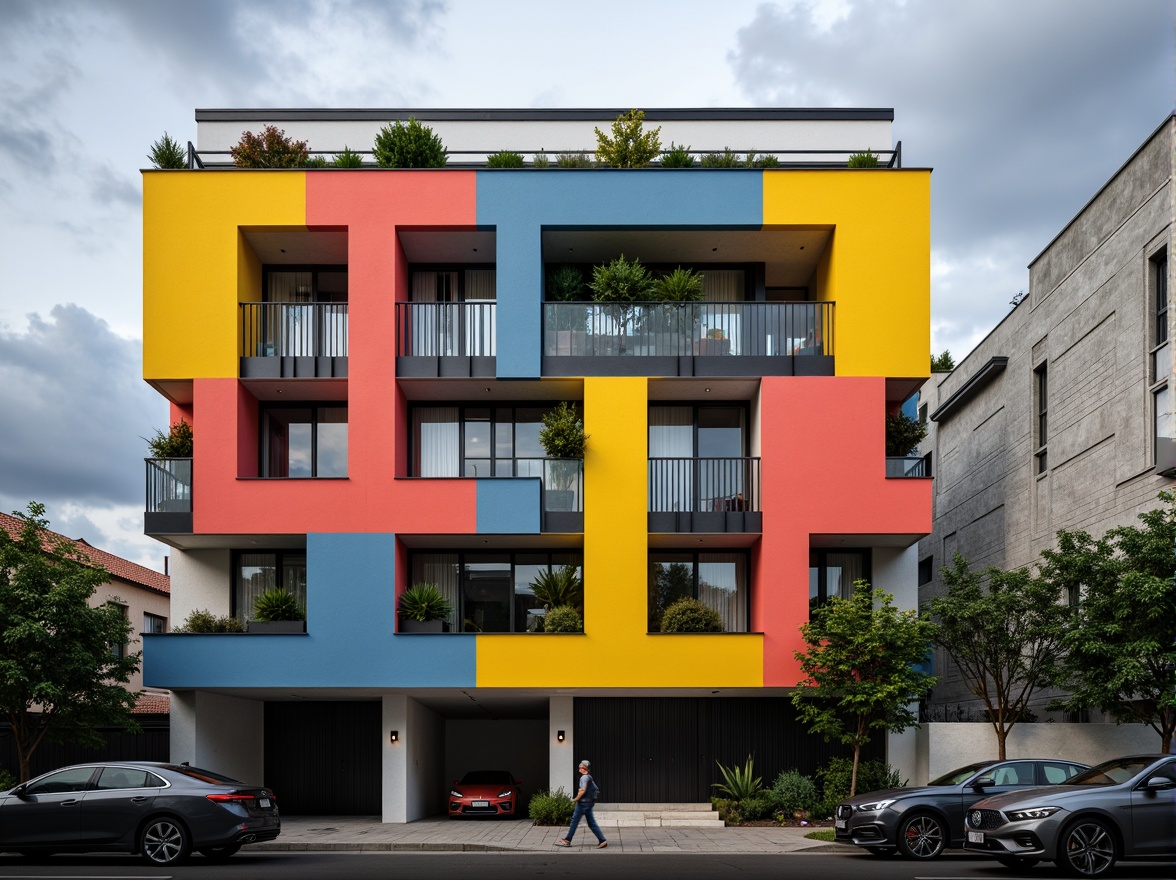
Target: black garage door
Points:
(651, 750)
(323, 759)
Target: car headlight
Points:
(455, 793)
(1031, 813)
(506, 793)
(874, 806)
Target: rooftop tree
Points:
(630, 145)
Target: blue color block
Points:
(350, 640)
(510, 506)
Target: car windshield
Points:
(1110, 772)
(955, 777)
(203, 775)
(487, 777)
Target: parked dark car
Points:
(485, 793)
(920, 822)
(1121, 809)
(162, 811)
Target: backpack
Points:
(593, 792)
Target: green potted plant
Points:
(566, 285)
(409, 146)
(277, 611)
(269, 149)
(424, 609)
(563, 619)
(677, 157)
(619, 284)
(167, 154)
(563, 438)
(868, 159)
(559, 586)
(630, 146)
(204, 621)
(505, 159)
(691, 616)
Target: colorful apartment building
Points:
(365, 357)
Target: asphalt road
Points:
(512, 866)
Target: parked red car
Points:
(485, 793)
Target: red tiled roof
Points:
(152, 704)
(123, 569)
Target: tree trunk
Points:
(857, 751)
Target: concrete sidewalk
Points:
(442, 834)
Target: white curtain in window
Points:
(440, 569)
(841, 570)
(721, 579)
(480, 329)
(297, 321)
(723, 285)
(435, 440)
(671, 435)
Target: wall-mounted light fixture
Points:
(394, 736)
(559, 735)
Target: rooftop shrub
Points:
(269, 149)
(630, 145)
(411, 145)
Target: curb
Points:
(382, 847)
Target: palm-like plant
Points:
(559, 586)
(424, 602)
(739, 783)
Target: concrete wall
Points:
(413, 778)
(219, 733)
(561, 756)
(942, 747)
(206, 583)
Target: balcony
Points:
(908, 466)
(290, 340)
(688, 339)
(445, 339)
(704, 495)
(169, 496)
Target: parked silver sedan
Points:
(1121, 809)
(163, 811)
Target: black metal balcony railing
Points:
(169, 485)
(704, 485)
(750, 329)
(290, 329)
(461, 329)
(904, 466)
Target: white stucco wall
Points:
(200, 579)
(896, 571)
(561, 756)
(413, 767)
(219, 733)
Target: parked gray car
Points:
(163, 811)
(1121, 809)
(921, 821)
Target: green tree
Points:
(167, 153)
(942, 363)
(1004, 630)
(903, 434)
(630, 146)
(409, 146)
(862, 666)
(269, 149)
(1119, 652)
(59, 678)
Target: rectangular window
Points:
(926, 570)
(834, 572)
(255, 573)
(491, 592)
(118, 650)
(304, 441)
(1041, 402)
(306, 312)
(153, 623)
(1163, 428)
(717, 580)
(451, 441)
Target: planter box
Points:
(275, 626)
(424, 626)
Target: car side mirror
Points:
(1159, 783)
(983, 782)
(19, 791)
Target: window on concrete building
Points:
(255, 573)
(1041, 407)
(834, 572)
(477, 441)
(154, 623)
(1160, 356)
(926, 570)
(718, 580)
(304, 441)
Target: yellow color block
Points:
(878, 265)
(197, 266)
(616, 649)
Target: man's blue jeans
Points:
(584, 810)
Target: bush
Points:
(505, 159)
(348, 159)
(794, 792)
(725, 159)
(769, 161)
(409, 146)
(563, 619)
(566, 284)
(739, 783)
(7, 780)
(277, 604)
(677, 157)
(176, 443)
(835, 778)
(868, 159)
(690, 616)
(681, 285)
(573, 160)
(550, 807)
(201, 621)
(563, 434)
(629, 146)
(622, 281)
(540, 160)
(760, 806)
(168, 154)
(424, 602)
(270, 149)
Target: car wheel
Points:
(1017, 861)
(219, 853)
(881, 851)
(922, 836)
(164, 842)
(1087, 849)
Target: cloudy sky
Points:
(1024, 108)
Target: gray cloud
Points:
(74, 410)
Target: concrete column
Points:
(561, 755)
(219, 733)
(395, 758)
(413, 778)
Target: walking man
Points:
(584, 800)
